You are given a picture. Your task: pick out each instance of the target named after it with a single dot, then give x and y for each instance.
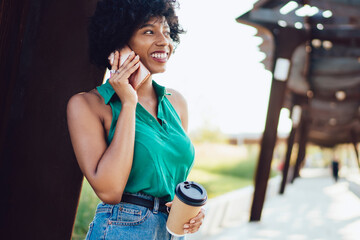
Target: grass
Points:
(217, 184)
(85, 212)
(220, 168)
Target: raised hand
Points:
(119, 77)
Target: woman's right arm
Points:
(107, 168)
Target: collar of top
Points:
(110, 92)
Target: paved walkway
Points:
(313, 208)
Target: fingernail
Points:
(186, 231)
(186, 226)
(192, 221)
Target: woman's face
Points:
(152, 42)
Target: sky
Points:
(217, 68)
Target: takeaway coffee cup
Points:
(189, 197)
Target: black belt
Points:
(126, 198)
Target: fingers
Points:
(119, 77)
(129, 68)
(195, 223)
(115, 63)
(124, 70)
(129, 58)
(116, 60)
(130, 61)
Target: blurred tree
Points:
(209, 133)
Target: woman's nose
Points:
(162, 40)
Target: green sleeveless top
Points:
(163, 153)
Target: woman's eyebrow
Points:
(152, 25)
(146, 25)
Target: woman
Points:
(131, 145)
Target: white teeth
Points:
(159, 55)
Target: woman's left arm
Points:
(180, 105)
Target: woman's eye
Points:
(167, 34)
(148, 32)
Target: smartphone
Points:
(140, 75)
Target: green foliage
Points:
(85, 212)
(243, 169)
(221, 168)
(208, 133)
(218, 184)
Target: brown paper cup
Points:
(180, 213)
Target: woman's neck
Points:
(146, 90)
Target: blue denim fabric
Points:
(126, 221)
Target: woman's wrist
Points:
(129, 105)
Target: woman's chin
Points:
(158, 71)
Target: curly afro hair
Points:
(114, 22)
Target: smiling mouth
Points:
(160, 56)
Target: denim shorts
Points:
(125, 221)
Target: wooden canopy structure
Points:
(313, 50)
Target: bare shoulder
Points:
(179, 103)
(176, 98)
(85, 101)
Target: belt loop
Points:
(112, 211)
(156, 205)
